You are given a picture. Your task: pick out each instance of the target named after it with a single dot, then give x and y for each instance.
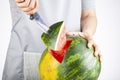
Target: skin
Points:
(88, 29)
(88, 23)
(28, 6)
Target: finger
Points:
(20, 1)
(100, 56)
(24, 4)
(33, 10)
(71, 33)
(90, 42)
(75, 34)
(30, 7)
(81, 35)
(96, 49)
(32, 4)
(25, 9)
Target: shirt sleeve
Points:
(88, 4)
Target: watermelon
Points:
(55, 38)
(76, 62)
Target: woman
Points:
(79, 17)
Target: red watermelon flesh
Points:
(61, 40)
(59, 55)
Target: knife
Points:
(39, 21)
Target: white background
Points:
(107, 36)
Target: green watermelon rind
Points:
(64, 68)
(50, 38)
(69, 68)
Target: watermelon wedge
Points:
(55, 38)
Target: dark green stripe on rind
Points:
(79, 62)
(94, 74)
(51, 36)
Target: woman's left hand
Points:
(90, 41)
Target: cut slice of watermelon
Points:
(55, 38)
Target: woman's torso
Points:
(53, 11)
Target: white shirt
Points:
(68, 11)
(53, 11)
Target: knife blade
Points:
(39, 21)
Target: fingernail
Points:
(89, 45)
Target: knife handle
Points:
(33, 16)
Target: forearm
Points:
(89, 24)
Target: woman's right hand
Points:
(28, 6)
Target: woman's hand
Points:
(28, 6)
(89, 40)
